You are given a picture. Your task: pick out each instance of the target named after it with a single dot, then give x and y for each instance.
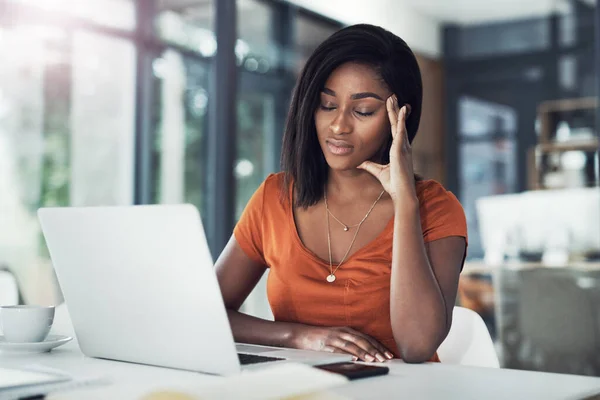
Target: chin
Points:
(342, 165)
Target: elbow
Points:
(417, 351)
(416, 355)
(417, 343)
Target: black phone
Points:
(354, 370)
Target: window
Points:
(118, 14)
(66, 137)
(309, 33)
(255, 147)
(504, 38)
(487, 153)
(256, 49)
(188, 24)
(180, 120)
(102, 152)
(68, 116)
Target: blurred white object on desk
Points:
(556, 247)
(494, 253)
(539, 212)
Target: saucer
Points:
(48, 344)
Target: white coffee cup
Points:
(26, 324)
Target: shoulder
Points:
(273, 185)
(441, 213)
(275, 191)
(430, 190)
(435, 199)
(275, 181)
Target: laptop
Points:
(140, 287)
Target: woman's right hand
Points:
(341, 340)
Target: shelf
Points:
(586, 103)
(587, 184)
(591, 145)
(548, 113)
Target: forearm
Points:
(249, 329)
(418, 311)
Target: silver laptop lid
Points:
(139, 285)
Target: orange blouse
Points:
(360, 297)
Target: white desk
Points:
(426, 381)
(480, 267)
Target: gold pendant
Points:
(330, 278)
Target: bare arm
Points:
(424, 276)
(423, 287)
(238, 274)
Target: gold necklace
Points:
(331, 276)
(346, 227)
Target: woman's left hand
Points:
(397, 177)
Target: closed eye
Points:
(325, 108)
(365, 114)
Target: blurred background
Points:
(116, 102)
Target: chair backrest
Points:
(9, 290)
(468, 342)
(557, 315)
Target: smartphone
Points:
(354, 370)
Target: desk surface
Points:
(480, 267)
(425, 381)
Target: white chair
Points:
(468, 342)
(9, 290)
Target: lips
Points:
(339, 147)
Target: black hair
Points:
(302, 159)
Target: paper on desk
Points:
(56, 380)
(14, 378)
(285, 381)
(178, 395)
(319, 396)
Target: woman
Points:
(364, 258)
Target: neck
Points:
(348, 186)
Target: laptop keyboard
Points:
(246, 359)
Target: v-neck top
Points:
(360, 296)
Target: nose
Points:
(340, 124)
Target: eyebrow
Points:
(355, 96)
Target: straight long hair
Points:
(302, 159)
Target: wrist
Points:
(407, 203)
(294, 335)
